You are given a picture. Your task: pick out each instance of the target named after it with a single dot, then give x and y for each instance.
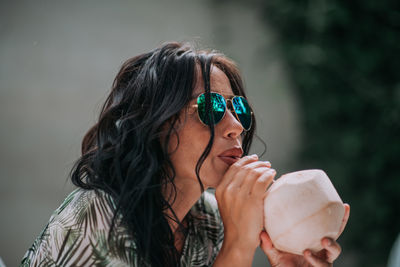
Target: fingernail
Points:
(254, 156)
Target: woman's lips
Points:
(229, 160)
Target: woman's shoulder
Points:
(86, 210)
(78, 232)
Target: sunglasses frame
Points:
(227, 107)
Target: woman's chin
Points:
(214, 178)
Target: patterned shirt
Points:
(77, 232)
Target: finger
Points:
(246, 168)
(269, 249)
(237, 181)
(345, 218)
(314, 260)
(251, 178)
(266, 242)
(244, 171)
(233, 169)
(332, 248)
(256, 164)
(262, 183)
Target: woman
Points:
(175, 123)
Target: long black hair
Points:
(123, 155)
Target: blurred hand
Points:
(240, 197)
(323, 258)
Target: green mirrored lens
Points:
(218, 107)
(243, 111)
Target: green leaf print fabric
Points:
(77, 232)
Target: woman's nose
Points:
(232, 127)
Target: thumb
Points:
(269, 249)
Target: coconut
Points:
(300, 209)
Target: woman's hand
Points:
(323, 258)
(240, 197)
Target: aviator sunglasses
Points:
(240, 109)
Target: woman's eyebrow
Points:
(225, 95)
(228, 95)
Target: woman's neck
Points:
(187, 194)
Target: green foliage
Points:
(343, 58)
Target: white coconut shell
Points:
(300, 209)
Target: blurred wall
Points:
(57, 62)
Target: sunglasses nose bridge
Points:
(230, 107)
(239, 106)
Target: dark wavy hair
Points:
(123, 155)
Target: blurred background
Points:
(322, 77)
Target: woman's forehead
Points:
(219, 83)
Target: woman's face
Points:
(194, 137)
